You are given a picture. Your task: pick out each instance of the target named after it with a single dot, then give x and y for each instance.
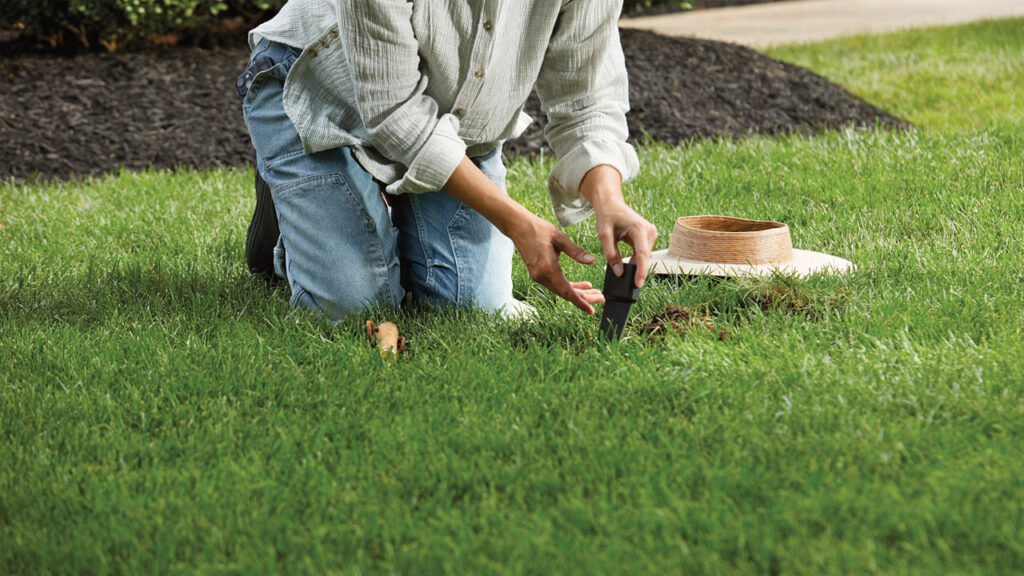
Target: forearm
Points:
(538, 241)
(615, 222)
(472, 187)
(601, 186)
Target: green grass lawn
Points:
(947, 78)
(160, 412)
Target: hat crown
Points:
(729, 240)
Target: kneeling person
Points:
(349, 103)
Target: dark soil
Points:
(675, 319)
(94, 113)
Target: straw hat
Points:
(727, 246)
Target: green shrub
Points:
(115, 24)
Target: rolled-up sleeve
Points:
(403, 124)
(584, 90)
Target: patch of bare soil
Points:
(677, 319)
(776, 295)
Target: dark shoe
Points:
(262, 235)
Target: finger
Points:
(611, 250)
(578, 300)
(549, 274)
(642, 240)
(590, 294)
(570, 249)
(559, 285)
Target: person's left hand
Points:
(617, 222)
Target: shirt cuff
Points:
(436, 160)
(564, 182)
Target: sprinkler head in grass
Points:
(386, 338)
(620, 293)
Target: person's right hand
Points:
(539, 243)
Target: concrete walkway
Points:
(763, 25)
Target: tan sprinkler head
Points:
(385, 337)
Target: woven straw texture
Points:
(727, 246)
(727, 240)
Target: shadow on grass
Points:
(192, 298)
(130, 292)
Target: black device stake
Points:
(619, 294)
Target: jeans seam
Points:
(382, 258)
(282, 191)
(428, 256)
(459, 288)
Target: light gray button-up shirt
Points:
(413, 86)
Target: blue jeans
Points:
(341, 249)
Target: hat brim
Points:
(804, 263)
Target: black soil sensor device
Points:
(619, 294)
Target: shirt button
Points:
(488, 26)
(460, 112)
(479, 73)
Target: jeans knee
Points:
(484, 262)
(453, 257)
(338, 296)
(489, 293)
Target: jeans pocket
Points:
(337, 258)
(318, 196)
(270, 60)
(260, 49)
(259, 80)
(272, 132)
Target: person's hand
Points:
(539, 243)
(617, 222)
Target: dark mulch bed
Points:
(682, 89)
(91, 114)
(675, 6)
